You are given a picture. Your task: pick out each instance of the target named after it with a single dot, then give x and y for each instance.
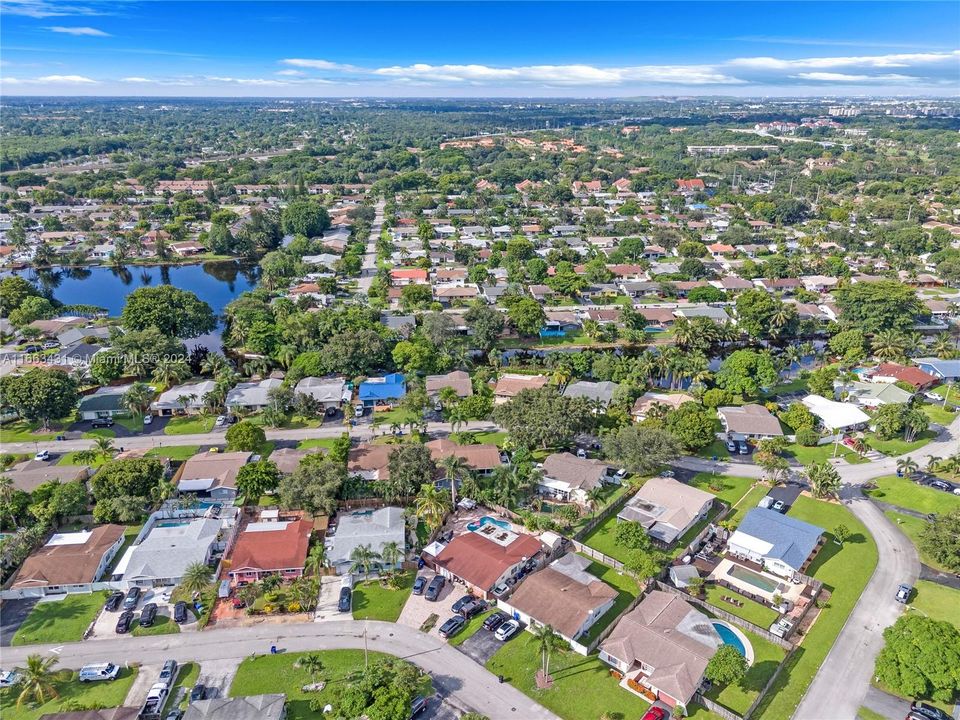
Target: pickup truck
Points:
(153, 705)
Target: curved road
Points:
(454, 674)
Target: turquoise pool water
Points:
(487, 520)
(729, 637)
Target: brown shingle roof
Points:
(458, 380)
(480, 561)
(509, 385)
(272, 550)
(478, 457)
(68, 564)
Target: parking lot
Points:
(418, 608)
(106, 622)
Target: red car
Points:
(655, 713)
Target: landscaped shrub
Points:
(807, 438)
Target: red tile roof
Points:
(269, 550)
(480, 561)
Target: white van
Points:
(98, 671)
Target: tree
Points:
(642, 563)
(37, 680)
(641, 450)
(921, 658)
(890, 419)
(744, 372)
(415, 296)
(359, 352)
(798, 417)
(171, 371)
(543, 418)
(245, 437)
(314, 561)
(527, 316)
(631, 535)
(841, 533)
(706, 294)
(138, 398)
(391, 555)
(314, 485)
(692, 425)
(133, 477)
(726, 666)
(255, 479)
(774, 465)
(824, 479)
(455, 468)
(547, 641)
(821, 381)
(313, 664)
(410, 466)
(432, 505)
(850, 345)
(876, 306)
(40, 395)
(304, 217)
(940, 539)
(761, 315)
(486, 324)
(196, 578)
(907, 466)
(174, 312)
(362, 558)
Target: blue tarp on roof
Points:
(389, 387)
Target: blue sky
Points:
(460, 49)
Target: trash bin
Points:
(273, 649)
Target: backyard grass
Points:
(276, 674)
(912, 527)
(189, 425)
(72, 693)
(23, 431)
(740, 695)
(162, 625)
(844, 571)
(316, 443)
(751, 611)
(623, 584)
(937, 601)
(899, 446)
(905, 493)
(732, 488)
(174, 452)
(68, 459)
(60, 621)
(473, 624)
(583, 688)
(938, 414)
(374, 601)
(601, 538)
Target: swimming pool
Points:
(487, 520)
(752, 578)
(729, 637)
(171, 523)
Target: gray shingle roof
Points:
(792, 540)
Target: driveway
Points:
(216, 676)
(480, 646)
(418, 608)
(329, 599)
(12, 615)
(106, 622)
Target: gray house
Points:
(375, 528)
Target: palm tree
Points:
(184, 401)
(547, 641)
(37, 678)
(314, 560)
(824, 479)
(860, 446)
(432, 505)
(391, 554)
(362, 558)
(907, 466)
(943, 346)
(458, 418)
(6, 495)
(138, 398)
(170, 372)
(594, 498)
(197, 577)
(562, 376)
(305, 592)
(455, 468)
(888, 345)
(213, 364)
(104, 446)
(313, 664)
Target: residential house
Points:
(330, 392)
(482, 459)
(667, 508)
(486, 557)
(252, 396)
(371, 462)
(650, 400)
(106, 402)
(186, 398)
(915, 377)
(563, 595)
(382, 390)
(509, 385)
(457, 380)
(374, 528)
(211, 474)
(872, 395)
(945, 370)
(277, 547)
(288, 459)
(68, 562)
(164, 554)
(662, 647)
(599, 393)
(409, 276)
(250, 707)
(781, 544)
(750, 421)
(836, 416)
(570, 478)
(31, 474)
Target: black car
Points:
(419, 585)
(434, 588)
(418, 705)
(474, 607)
(180, 612)
(930, 712)
(345, 597)
(461, 602)
(198, 692)
(113, 602)
(494, 621)
(452, 626)
(124, 622)
(132, 599)
(102, 423)
(148, 615)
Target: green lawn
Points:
(601, 538)
(732, 488)
(908, 494)
(130, 533)
(374, 601)
(912, 527)
(844, 571)
(276, 674)
(23, 431)
(751, 611)
(899, 446)
(162, 625)
(174, 452)
(716, 449)
(133, 424)
(316, 443)
(186, 679)
(938, 414)
(740, 695)
(747, 503)
(624, 584)
(821, 453)
(99, 432)
(60, 621)
(69, 459)
(937, 601)
(72, 693)
(472, 626)
(490, 438)
(583, 688)
(189, 425)
(865, 713)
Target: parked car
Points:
(97, 672)
(418, 705)
(452, 626)
(180, 612)
(32, 349)
(113, 602)
(463, 600)
(620, 474)
(358, 410)
(655, 713)
(731, 446)
(8, 678)
(148, 615)
(472, 608)
(124, 622)
(198, 692)
(175, 714)
(581, 453)
(743, 448)
(419, 585)
(492, 622)
(903, 593)
(51, 344)
(346, 597)
(928, 711)
(434, 588)
(500, 590)
(507, 630)
(221, 421)
(42, 455)
(102, 423)
(941, 485)
(147, 420)
(169, 672)
(779, 506)
(132, 599)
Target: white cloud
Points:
(135, 80)
(65, 79)
(43, 9)
(87, 31)
(291, 73)
(847, 78)
(896, 60)
(320, 65)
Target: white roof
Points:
(252, 394)
(835, 415)
(168, 399)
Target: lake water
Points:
(216, 283)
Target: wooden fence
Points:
(597, 555)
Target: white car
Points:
(8, 678)
(42, 455)
(221, 420)
(507, 630)
(147, 420)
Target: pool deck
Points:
(747, 647)
(786, 589)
